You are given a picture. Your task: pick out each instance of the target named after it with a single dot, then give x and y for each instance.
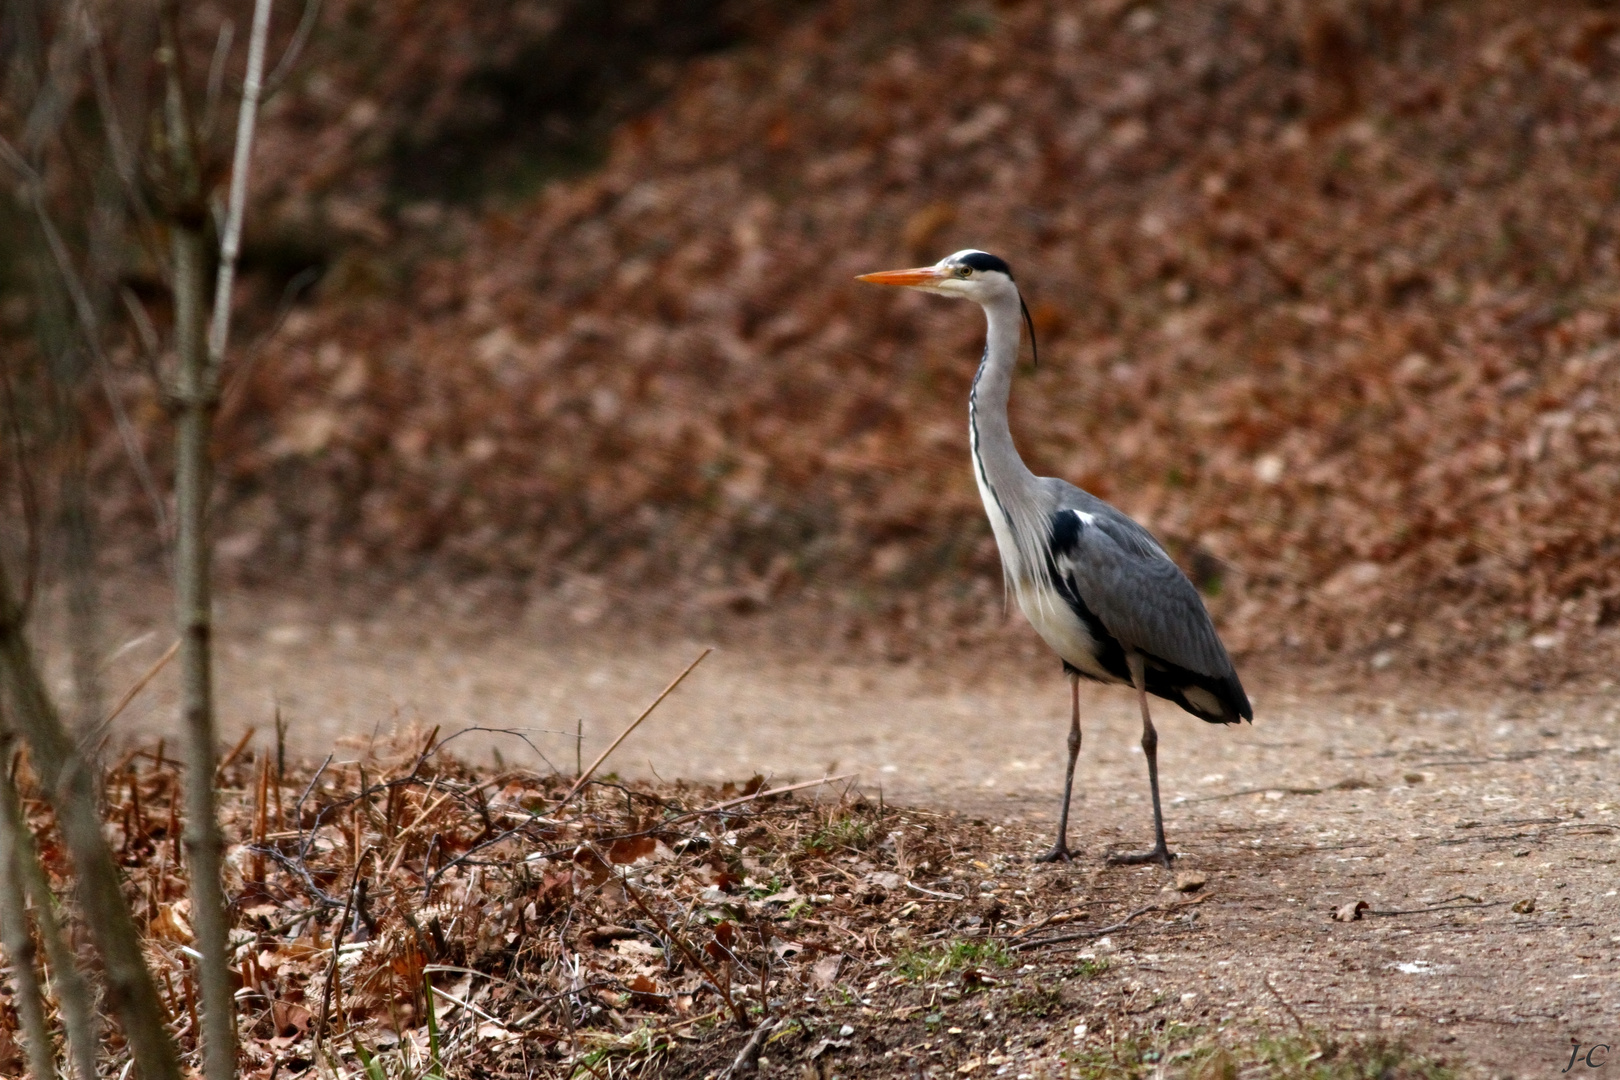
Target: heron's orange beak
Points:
(923, 275)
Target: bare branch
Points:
(199, 360)
(25, 489)
(216, 75)
(55, 97)
(123, 160)
(92, 735)
(236, 382)
(295, 47)
(146, 332)
(89, 329)
(231, 236)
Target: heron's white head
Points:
(973, 275)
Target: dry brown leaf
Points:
(1350, 912)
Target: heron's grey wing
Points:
(1138, 591)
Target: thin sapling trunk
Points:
(70, 784)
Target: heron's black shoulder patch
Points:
(1066, 526)
(982, 261)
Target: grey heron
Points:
(1096, 586)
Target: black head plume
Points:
(1029, 322)
(983, 261)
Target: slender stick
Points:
(331, 968)
(295, 47)
(748, 1056)
(197, 391)
(235, 752)
(722, 986)
(140, 684)
(625, 734)
(19, 943)
(1087, 935)
(729, 803)
(130, 694)
(230, 244)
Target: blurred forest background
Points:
(555, 296)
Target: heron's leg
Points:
(1150, 748)
(1060, 849)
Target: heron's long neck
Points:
(1000, 467)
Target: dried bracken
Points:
(549, 932)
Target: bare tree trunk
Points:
(19, 943)
(71, 990)
(197, 394)
(71, 788)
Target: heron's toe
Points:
(1060, 853)
(1163, 856)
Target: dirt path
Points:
(1500, 811)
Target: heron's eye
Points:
(964, 271)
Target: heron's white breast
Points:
(1049, 613)
(1045, 608)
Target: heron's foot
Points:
(1060, 853)
(1160, 854)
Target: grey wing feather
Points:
(1138, 591)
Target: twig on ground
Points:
(496, 838)
(298, 807)
(748, 1057)
(729, 803)
(1056, 916)
(1289, 1009)
(1258, 791)
(1086, 935)
(690, 953)
(1438, 907)
(426, 813)
(914, 887)
(331, 967)
(236, 751)
(625, 734)
(764, 928)
(517, 733)
(460, 1004)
